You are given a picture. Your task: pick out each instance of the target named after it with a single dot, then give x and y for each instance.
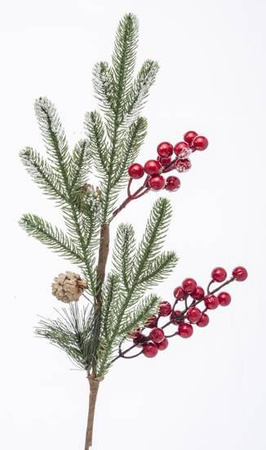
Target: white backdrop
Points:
(204, 393)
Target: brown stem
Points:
(102, 260)
(94, 387)
(94, 382)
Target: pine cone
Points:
(68, 287)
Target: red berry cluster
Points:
(185, 312)
(169, 158)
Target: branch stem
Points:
(94, 387)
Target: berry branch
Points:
(164, 163)
(191, 314)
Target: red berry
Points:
(200, 143)
(177, 317)
(164, 161)
(198, 294)
(138, 340)
(157, 335)
(190, 136)
(179, 293)
(211, 301)
(162, 345)
(182, 165)
(224, 298)
(219, 274)
(189, 285)
(165, 149)
(135, 334)
(150, 350)
(165, 309)
(185, 330)
(194, 314)
(172, 183)
(240, 273)
(151, 322)
(152, 167)
(204, 320)
(182, 149)
(156, 183)
(135, 171)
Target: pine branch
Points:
(129, 151)
(124, 253)
(104, 88)
(134, 274)
(80, 165)
(140, 314)
(50, 236)
(158, 270)
(139, 92)
(97, 142)
(42, 174)
(153, 238)
(70, 332)
(54, 137)
(123, 63)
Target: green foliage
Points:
(70, 332)
(135, 270)
(114, 139)
(42, 174)
(51, 236)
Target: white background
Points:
(204, 393)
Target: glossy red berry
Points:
(165, 149)
(219, 274)
(157, 335)
(150, 349)
(194, 314)
(156, 182)
(224, 298)
(164, 161)
(182, 165)
(200, 143)
(138, 340)
(135, 334)
(152, 167)
(135, 171)
(163, 345)
(240, 273)
(189, 285)
(198, 294)
(190, 136)
(179, 293)
(151, 322)
(177, 317)
(165, 309)
(172, 183)
(182, 149)
(211, 301)
(204, 320)
(185, 330)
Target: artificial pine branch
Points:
(119, 304)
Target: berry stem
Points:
(137, 194)
(128, 187)
(195, 303)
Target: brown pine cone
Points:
(68, 287)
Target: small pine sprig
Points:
(115, 138)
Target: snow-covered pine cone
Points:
(68, 287)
